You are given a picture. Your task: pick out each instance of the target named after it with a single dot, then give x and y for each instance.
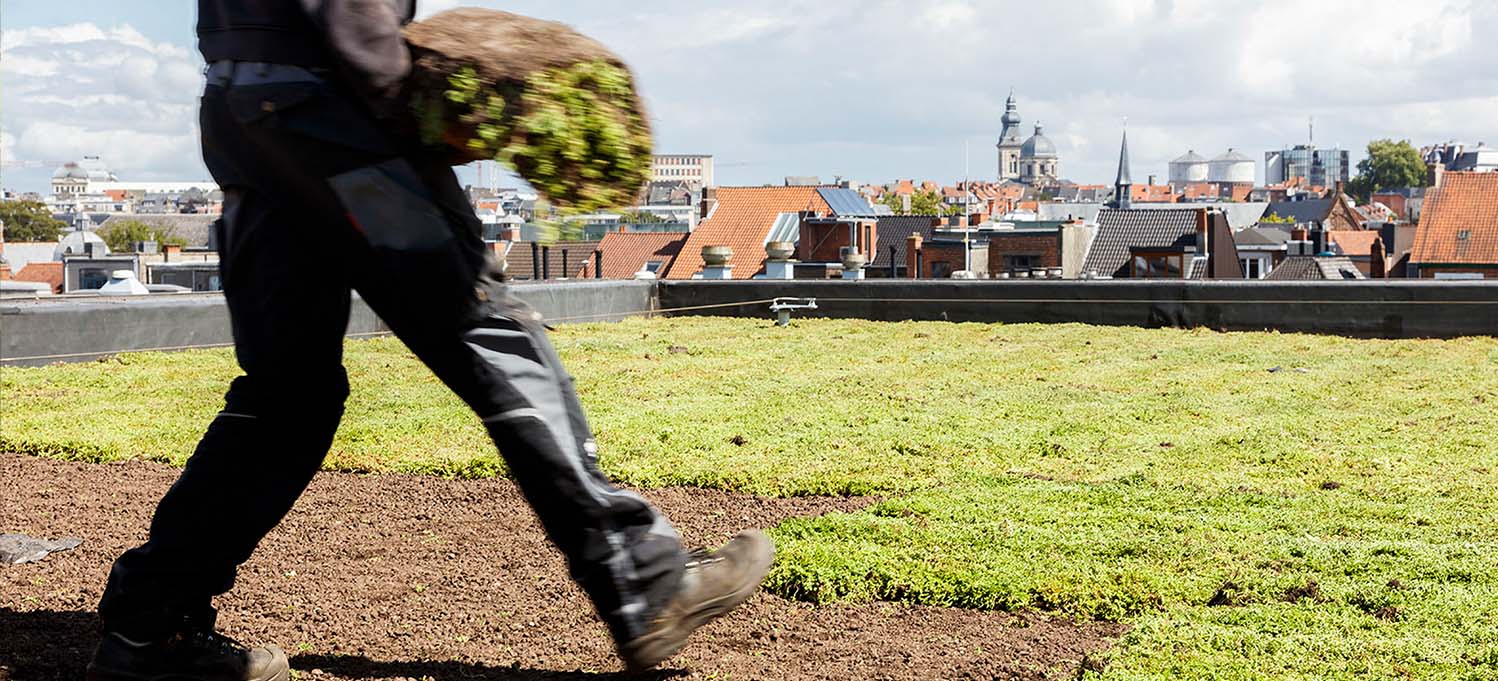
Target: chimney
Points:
(1202, 220)
(1299, 243)
(1378, 267)
(598, 264)
(510, 233)
(1436, 173)
(169, 251)
(1153, 179)
(709, 202)
(913, 256)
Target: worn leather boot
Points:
(200, 655)
(712, 584)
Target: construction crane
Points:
(19, 163)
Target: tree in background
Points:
(921, 203)
(1390, 165)
(122, 236)
(30, 221)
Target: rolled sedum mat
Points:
(545, 100)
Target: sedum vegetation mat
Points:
(1252, 505)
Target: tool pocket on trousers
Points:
(389, 205)
(307, 109)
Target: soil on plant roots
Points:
(395, 577)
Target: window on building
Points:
(654, 266)
(1014, 263)
(1254, 266)
(1157, 266)
(92, 277)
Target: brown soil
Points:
(393, 577)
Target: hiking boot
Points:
(712, 584)
(188, 656)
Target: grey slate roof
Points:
(1302, 212)
(1261, 236)
(893, 230)
(1315, 268)
(1240, 215)
(846, 202)
(1119, 231)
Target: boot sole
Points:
(96, 674)
(102, 675)
(652, 649)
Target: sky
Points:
(869, 90)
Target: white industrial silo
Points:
(1231, 167)
(1188, 169)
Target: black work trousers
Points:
(319, 201)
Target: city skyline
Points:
(868, 91)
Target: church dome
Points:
(70, 171)
(1011, 112)
(1038, 146)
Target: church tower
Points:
(1123, 185)
(1009, 142)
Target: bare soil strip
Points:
(395, 577)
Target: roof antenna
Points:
(1311, 130)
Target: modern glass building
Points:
(1322, 167)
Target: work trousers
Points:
(320, 201)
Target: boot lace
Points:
(208, 639)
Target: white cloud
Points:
(879, 89)
(83, 89)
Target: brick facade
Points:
(1042, 250)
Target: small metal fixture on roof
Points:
(853, 262)
(123, 283)
(782, 308)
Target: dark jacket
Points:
(359, 38)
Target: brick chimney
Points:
(510, 233)
(709, 202)
(1378, 267)
(1437, 172)
(170, 251)
(912, 256)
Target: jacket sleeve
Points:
(365, 36)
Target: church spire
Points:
(1123, 185)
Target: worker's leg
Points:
(415, 256)
(426, 276)
(289, 307)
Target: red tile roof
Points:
(45, 272)
(1353, 243)
(741, 221)
(1466, 204)
(625, 253)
